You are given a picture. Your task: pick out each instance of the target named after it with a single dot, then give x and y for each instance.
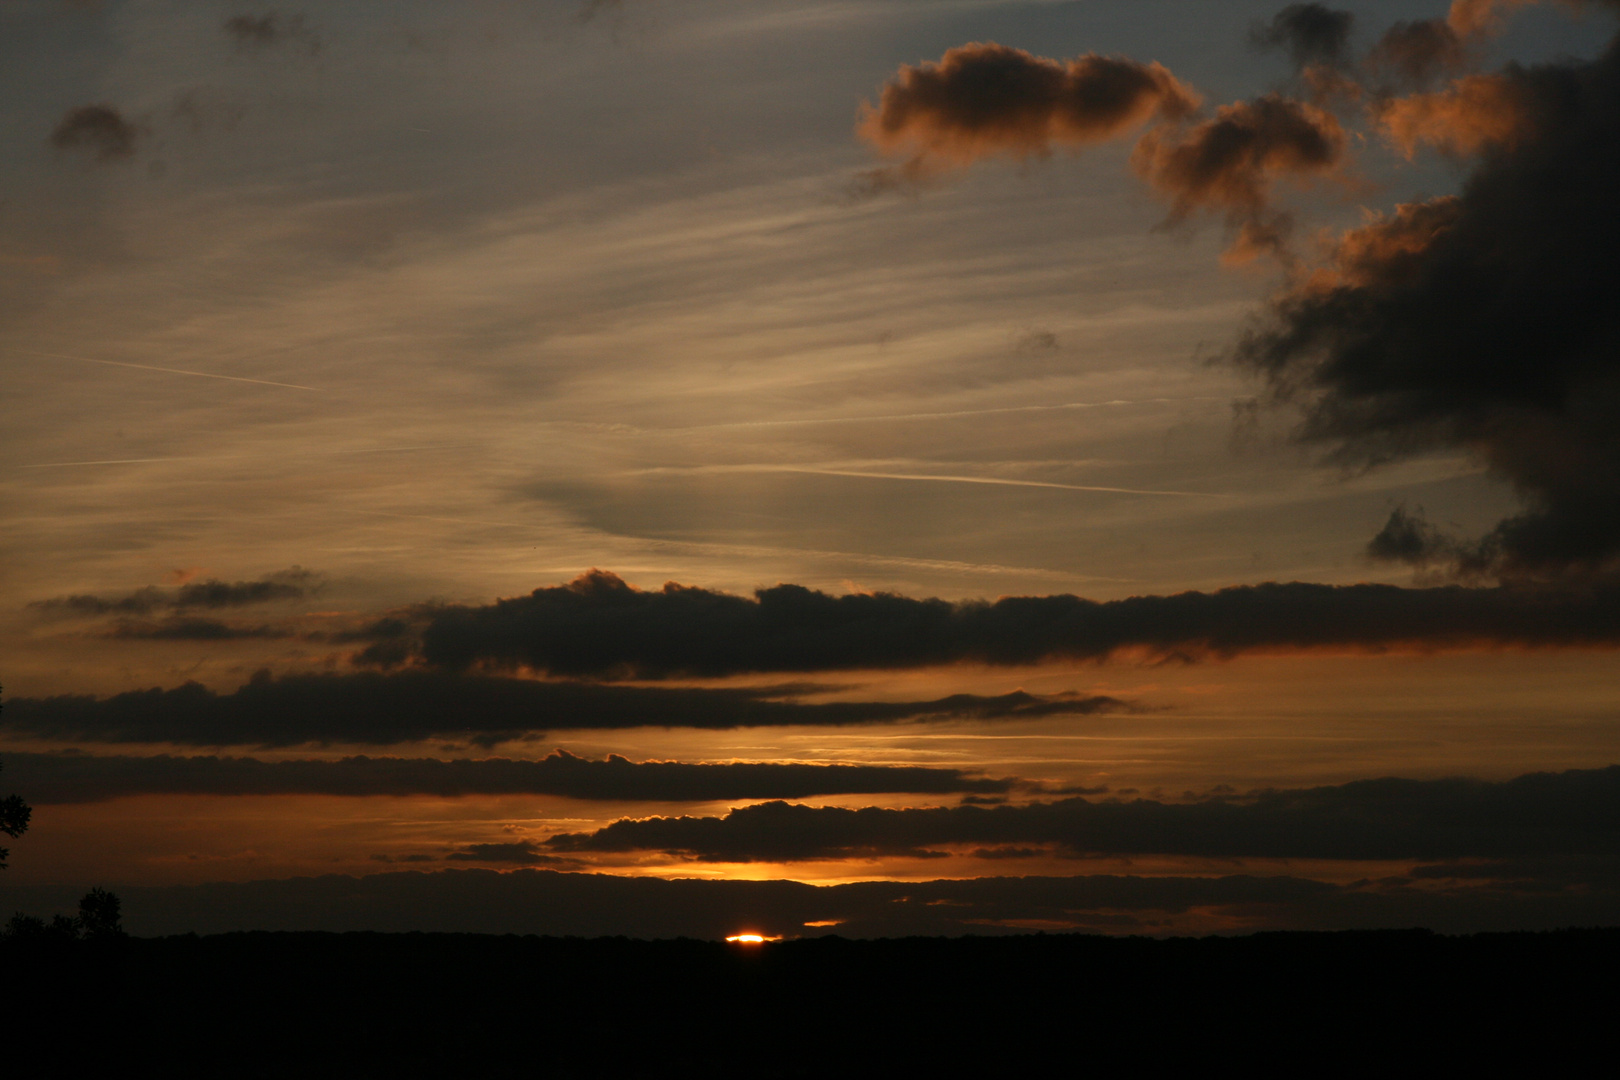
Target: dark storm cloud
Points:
(78, 778)
(252, 33)
(983, 100)
(600, 626)
(1311, 33)
(1575, 812)
(99, 130)
(529, 901)
(1230, 162)
(381, 709)
(1491, 328)
(291, 584)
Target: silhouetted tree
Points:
(98, 915)
(14, 815)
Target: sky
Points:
(879, 466)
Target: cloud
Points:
(375, 709)
(255, 33)
(520, 853)
(99, 130)
(291, 584)
(1473, 114)
(985, 100)
(600, 626)
(1408, 538)
(1485, 321)
(45, 779)
(1415, 52)
(1541, 814)
(1230, 163)
(189, 629)
(1312, 34)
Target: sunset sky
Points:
(1065, 460)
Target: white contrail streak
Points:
(937, 415)
(111, 461)
(169, 370)
(938, 478)
(239, 457)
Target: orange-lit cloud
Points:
(1230, 163)
(985, 100)
(1473, 113)
(1484, 322)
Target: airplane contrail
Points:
(239, 457)
(939, 415)
(169, 370)
(938, 477)
(111, 461)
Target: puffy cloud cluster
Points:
(1483, 321)
(984, 99)
(1230, 163)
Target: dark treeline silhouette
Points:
(348, 1005)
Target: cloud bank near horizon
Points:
(369, 708)
(50, 779)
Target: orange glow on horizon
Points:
(752, 939)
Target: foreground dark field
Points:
(286, 1004)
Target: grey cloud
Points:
(254, 33)
(1311, 33)
(100, 130)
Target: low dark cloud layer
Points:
(1542, 814)
(101, 131)
(516, 853)
(46, 779)
(528, 901)
(291, 584)
(1492, 328)
(599, 626)
(376, 709)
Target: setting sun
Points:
(752, 939)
